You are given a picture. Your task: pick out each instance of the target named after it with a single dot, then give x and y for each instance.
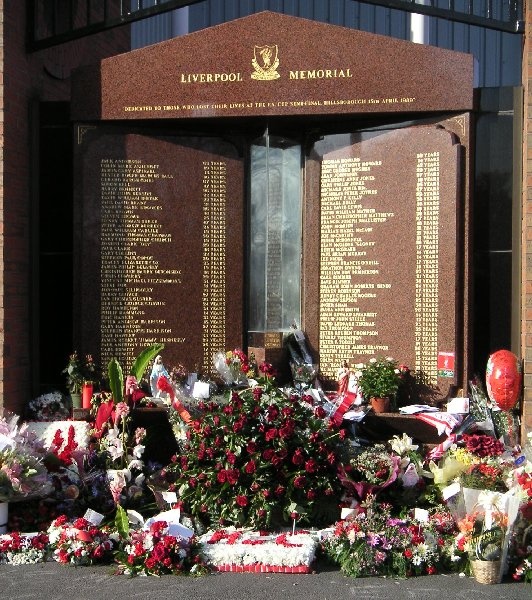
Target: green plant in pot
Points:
(379, 379)
(74, 378)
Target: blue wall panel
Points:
(498, 53)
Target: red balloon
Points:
(503, 379)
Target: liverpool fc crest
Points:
(265, 62)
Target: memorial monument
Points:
(244, 177)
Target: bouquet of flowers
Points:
(22, 472)
(81, 542)
(256, 459)
(374, 542)
(234, 367)
(17, 549)
(370, 471)
(153, 552)
(481, 538)
(48, 407)
(484, 476)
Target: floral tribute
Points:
(22, 471)
(154, 552)
(258, 459)
(48, 407)
(80, 542)
(373, 542)
(20, 549)
(238, 550)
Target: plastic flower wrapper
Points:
(232, 366)
(496, 513)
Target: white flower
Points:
(135, 464)
(402, 445)
(372, 360)
(138, 450)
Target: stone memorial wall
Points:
(388, 253)
(160, 246)
(162, 229)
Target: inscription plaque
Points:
(160, 250)
(388, 248)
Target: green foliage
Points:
(256, 459)
(379, 378)
(143, 360)
(121, 522)
(116, 380)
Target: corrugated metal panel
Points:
(498, 53)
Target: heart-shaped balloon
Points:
(503, 379)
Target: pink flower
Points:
(121, 411)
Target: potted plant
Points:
(74, 378)
(378, 381)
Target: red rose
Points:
(222, 476)
(277, 460)
(300, 481)
(251, 447)
(311, 495)
(320, 412)
(271, 434)
(408, 553)
(158, 552)
(311, 466)
(232, 476)
(280, 490)
(242, 500)
(287, 430)
(231, 457)
(268, 454)
(250, 467)
(298, 457)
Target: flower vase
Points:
(380, 405)
(86, 394)
(76, 400)
(3, 516)
(486, 571)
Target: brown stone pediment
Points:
(273, 64)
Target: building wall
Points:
(526, 238)
(497, 53)
(27, 79)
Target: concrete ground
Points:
(55, 581)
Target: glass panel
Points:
(275, 235)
